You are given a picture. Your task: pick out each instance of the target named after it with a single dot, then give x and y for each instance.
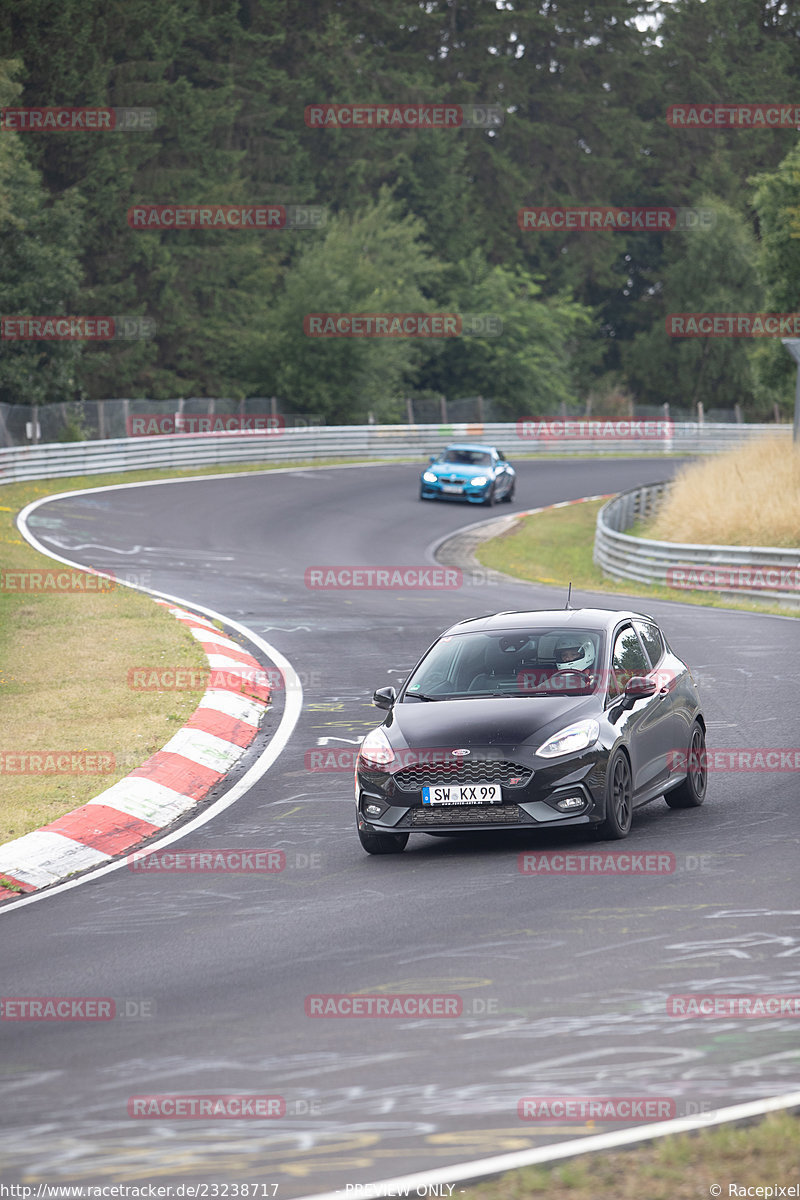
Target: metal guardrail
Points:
(762, 572)
(188, 450)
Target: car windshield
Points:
(544, 662)
(467, 458)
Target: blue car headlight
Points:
(479, 481)
(429, 477)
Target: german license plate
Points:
(453, 487)
(475, 793)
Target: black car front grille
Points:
(468, 814)
(413, 779)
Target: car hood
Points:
(500, 721)
(458, 470)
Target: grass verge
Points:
(555, 547)
(64, 661)
(681, 1167)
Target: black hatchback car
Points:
(533, 720)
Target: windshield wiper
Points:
(523, 694)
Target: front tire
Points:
(509, 496)
(691, 792)
(619, 799)
(489, 501)
(383, 843)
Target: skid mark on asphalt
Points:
(738, 946)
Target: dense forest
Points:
(413, 220)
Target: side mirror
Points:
(432, 457)
(384, 697)
(639, 685)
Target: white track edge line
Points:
(291, 713)
(468, 1171)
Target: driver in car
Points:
(574, 656)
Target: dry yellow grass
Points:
(746, 497)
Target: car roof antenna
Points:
(569, 596)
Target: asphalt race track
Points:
(563, 979)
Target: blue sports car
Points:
(479, 474)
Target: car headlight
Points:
(479, 481)
(376, 750)
(568, 741)
(429, 477)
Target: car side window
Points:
(628, 659)
(651, 637)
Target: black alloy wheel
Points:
(691, 791)
(619, 799)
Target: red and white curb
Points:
(164, 787)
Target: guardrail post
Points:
(793, 346)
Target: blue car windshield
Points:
(543, 662)
(467, 458)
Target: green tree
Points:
(777, 203)
(711, 270)
(41, 273)
(372, 262)
(529, 369)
